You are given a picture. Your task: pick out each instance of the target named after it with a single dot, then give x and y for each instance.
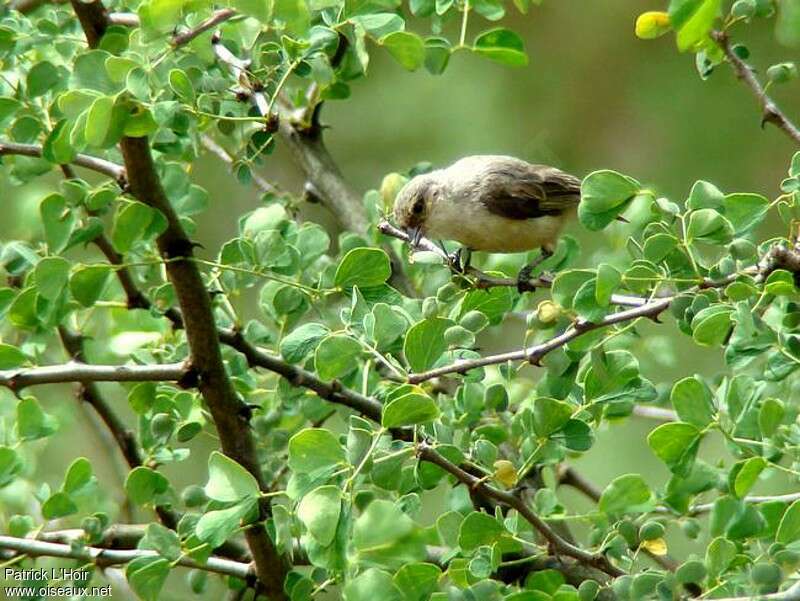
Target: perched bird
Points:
(489, 203)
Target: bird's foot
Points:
(460, 260)
(524, 279)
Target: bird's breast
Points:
(478, 229)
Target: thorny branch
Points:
(770, 112)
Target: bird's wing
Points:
(522, 191)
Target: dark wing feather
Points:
(522, 191)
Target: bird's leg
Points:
(460, 260)
(524, 277)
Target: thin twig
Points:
(112, 170)
(262, 184)
(770, 112)
(558, 544)
(75, 371)
(108, 557)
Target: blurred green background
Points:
(592, 97)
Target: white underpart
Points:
(472, 225)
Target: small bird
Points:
(489, 203)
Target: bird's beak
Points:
(414, 234)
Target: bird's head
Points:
(414, 204)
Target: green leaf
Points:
(363, 267)
(313, 449)
(294, 13)
(147, 575)
(384, 534)
(547, 581)
(130, 225)
(379, 25)
(693, 21)
(710, 327)
(567, 284)
(501, 45)
(79, 476)
(11, 356)
(408, 410)
(745, 474)
(770, 416)
(416, 581)
(719, 555)
(336, 356)
(143, 484)
(32, 421)
(215, 527)
(51, 276)
(745, 211)
(693, 402)
(258, 9)
(479, 529)
(98, 121)
(10, 465)
(789, 528)
(437, 55)
(780, 283)
(88, 283)
(709, 225)
(676, 445)
(425, 343)
(58, 221)
(163, 540)
(42, 78)
(408, 49)
(89, 73)
(59, 505)
(550, 415)
(604, 196)
(319, 512)
(182, 85)
(627, 494)
(608, 280)
(228, 481)
(299, 343)
(370, 585)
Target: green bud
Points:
(743, 9)
(588, 590)
(474, 321)
(197, 581)
(693, 571)
(782, 72)
(691, 528)
(628, 531)
(447, 292)
(458, 336)
(162, 426)
(20, 525)
(194, 496)
(765, 574)
(651, 530)
(430, 308)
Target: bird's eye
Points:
(418, 207)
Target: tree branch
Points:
(75, 371)
(535, 353)
(558, 544)
(112, 170)
(220, 16)
(228, 410)
(770, 112)
(108, 557)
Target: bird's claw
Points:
(524, 280)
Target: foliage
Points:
(374, 400)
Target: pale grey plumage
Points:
(490, 203)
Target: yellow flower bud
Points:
(652, 24)
(657, 546)
(505, 472)
(390, 186)
(548, 311)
